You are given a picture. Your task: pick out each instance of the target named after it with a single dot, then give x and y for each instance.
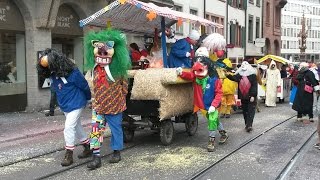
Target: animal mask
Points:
(103, 52)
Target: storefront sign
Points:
(260, 42)
(10, 16)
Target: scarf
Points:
(244, 85)
(203, 83)
(102, 77)
(192, 53)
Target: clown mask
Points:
(200, 70)
(103, 52)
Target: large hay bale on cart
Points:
(160, 94)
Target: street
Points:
(262, 154)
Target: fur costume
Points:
(247, 91)
(207, 95)
(108, 57)
(72, 93)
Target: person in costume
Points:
(182, 52)
(73, 93)
(207, 94)
(107, 55)
(273, 82)
(247, 91)
(229, 89)
(307, 84)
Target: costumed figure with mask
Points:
(307, 84)
(107, 55)
(273, 82)
(182, 52)
(207, 89)
(247, 91)
(72, 93)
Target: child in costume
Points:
(207, 94)
(73, 93)
(229, 89)
(108, 56)
(247, 91)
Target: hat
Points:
(202, 51)
(194, 35)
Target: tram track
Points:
(206, 169)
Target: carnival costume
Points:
(247, 91)
(207, 95)
(108, 56)
(72, 92)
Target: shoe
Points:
(224, 137)
(311, 120)
(115, 157)
(68, 158)
(95, 163)
(210, 147)
(227, 116)
(317, 145)
(258, 110)
(249, 129)
(86, 152)
(49, 113)
(299, 119)
(222, 115)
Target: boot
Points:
(210, 147)
(227, 116)
(115, 157)
(86, 152)
(224, 137)
(50, 113)
(68, 158)
(95, 163)
(249, 129)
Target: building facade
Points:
(291, 26)
(272, 25)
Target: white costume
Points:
(273, 80)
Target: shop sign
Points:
(10, 16)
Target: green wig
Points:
(120, 60)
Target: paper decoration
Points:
(179, 23)
(106, 8)
(151, 15)
(108, 24)
(138, 5)
(122, 1)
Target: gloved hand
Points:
(179, 71)
(251, 99)
(188, 54)
(211, 109)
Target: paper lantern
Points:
(220, 53)
(151, 15)
(179, 23)
(122, 1)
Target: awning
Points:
(131, 17)
(275, 58)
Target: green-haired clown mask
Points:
(103, 51)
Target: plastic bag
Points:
(156, 60)
(213, 120)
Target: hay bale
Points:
(131, 73)
(172, 78)
(176, 100)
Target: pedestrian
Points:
(307, 84)
(135, 53)
(229, 89)
(283, 72)
(273, 82)
(207, 95)
(294, 83)
(53, 103)
(247, 91)
(110, 90)
(182, 52)
(73, 93)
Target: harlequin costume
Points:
(207, 95)
(73, 93)
(247, 91)
(229, 89)
(108, 56)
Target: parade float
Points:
(157, 97)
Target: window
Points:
(251, 2)
(216, 19)
(250, 36)
(258, 3)
(257, 27)
(179, 29)
(192, 25)
(268, 13)
(278, 17)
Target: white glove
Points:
(188, 54)
(251, 99)
(211, 109)
(179, 71)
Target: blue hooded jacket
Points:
(72, 94)
(177, 57)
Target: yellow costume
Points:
(229, 88)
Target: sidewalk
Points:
(21, 125)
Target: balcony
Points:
(281, 3)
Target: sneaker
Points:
(317, 145)
(311, 120)
(49, 113)
(227, 116)
(299, 119)
(210, 147)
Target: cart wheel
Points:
(191, 124)
(128, 135)
(166, 132)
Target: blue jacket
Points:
(209, 94)
(177, 57)
(72, 94)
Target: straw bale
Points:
(177, 100)
(131, 73)
(172, 78)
